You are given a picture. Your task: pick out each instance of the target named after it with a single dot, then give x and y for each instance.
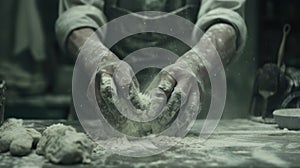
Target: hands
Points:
(114, 85)
(117, 89)
(174, 90)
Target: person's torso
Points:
(187, 9)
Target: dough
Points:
(17, 139)
(63, 145)
(21, 146)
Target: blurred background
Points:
(39, 75)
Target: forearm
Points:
(221, 38)
(219, 41)
(79, 37)
(76, 40)
(92, 51)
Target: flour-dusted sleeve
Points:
(224, 11)
(75, 14)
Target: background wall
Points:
(240, 74)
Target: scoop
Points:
(288, 118)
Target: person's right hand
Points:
(116, 88)
(112, 82)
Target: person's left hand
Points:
(178, 86)
(174, 90)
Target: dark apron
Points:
(187, 9)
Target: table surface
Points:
(238, 143)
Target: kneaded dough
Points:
(61, 144)
(21, 146)
(17, 139)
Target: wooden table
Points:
(235, 143)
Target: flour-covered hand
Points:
(174, 90)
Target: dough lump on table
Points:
(61, 144)
(17, 139)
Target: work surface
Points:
(240, 143)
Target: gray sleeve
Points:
(224, 11)
(74, 14)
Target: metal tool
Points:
(276, 86)
(2, 100)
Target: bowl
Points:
(287, 118)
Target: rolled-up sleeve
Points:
(224, 11)
(75, 14)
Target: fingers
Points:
(119, 92)
(119, 95)
(189, 110)
(106, 91)
(167, 83)
(114, 92)
(182, 100)
(171, 76)
(127, 86)
(158, 100)
(160, 94)
(168, 113)
(112, 114)
(97, 83)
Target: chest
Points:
(184, 8)
(151, 5)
